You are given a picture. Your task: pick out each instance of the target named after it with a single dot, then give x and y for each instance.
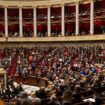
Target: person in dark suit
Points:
(53, 101)
(2, 93)
(41, 93)
(67, 97)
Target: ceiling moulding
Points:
(46, 0)
(1, 5)
(36, 2)
(74, 0)
(54, 6)
(85, 1)
(70, 4)
(15, 7)
(25, 0)
(27, 7)
(43, 6)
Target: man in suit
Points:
(67, 97)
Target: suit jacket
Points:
(66, 104)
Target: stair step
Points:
(13, 67)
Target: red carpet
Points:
(13, 66)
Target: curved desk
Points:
(33, 81)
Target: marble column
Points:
(35, 21)
(77, 19)
(49, 21)
(6, 21)
(92, 17)
(20, 22)
(63, 21)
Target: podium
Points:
(3, 78)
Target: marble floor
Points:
(29, 89)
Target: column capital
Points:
(34, 6)
(63, 4)
(48, 6)
(77, 2)
(20, 6)
(5, 6)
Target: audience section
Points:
(68, 74)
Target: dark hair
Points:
(37, 101)
(27, 102)
(67, 93)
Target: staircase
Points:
(1, 55)
(1, 58)
(13, 66)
